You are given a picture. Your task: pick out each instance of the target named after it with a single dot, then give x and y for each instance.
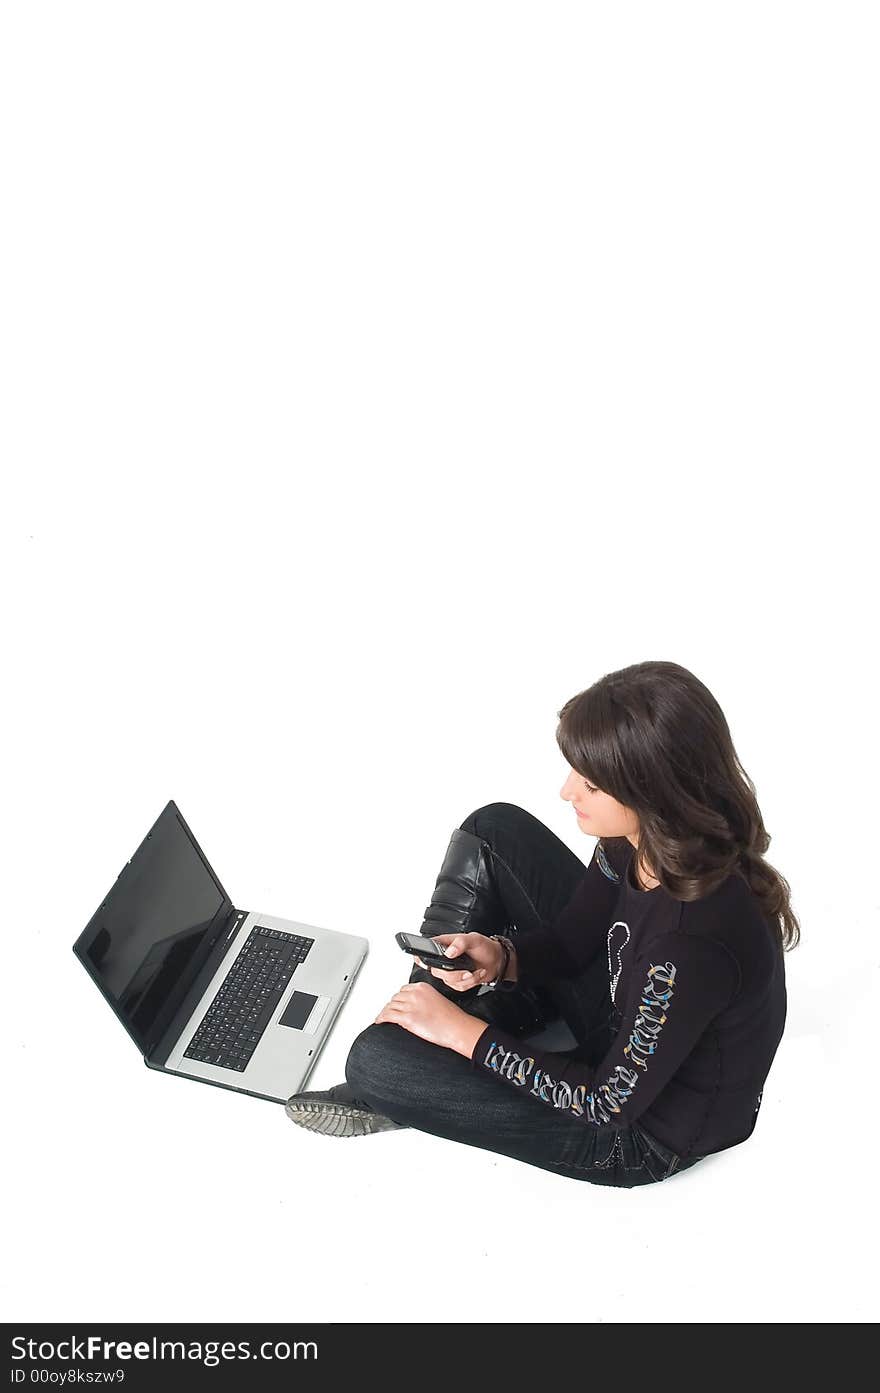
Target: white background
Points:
(376, 377)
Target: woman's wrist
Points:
(512, 973)
(501, 965)
(467, 1035)
(506, 973)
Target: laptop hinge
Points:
(184, 1001)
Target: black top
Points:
(698, 991)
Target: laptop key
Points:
(244, 1004)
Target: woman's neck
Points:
(641, 880)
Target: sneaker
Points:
(337, 1113)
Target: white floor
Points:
(136, 1195)
(376, 378)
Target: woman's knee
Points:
(482, 822)
(376, 1056)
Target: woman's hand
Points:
(433, 1017)
(486, 953)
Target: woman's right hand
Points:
(485, 952)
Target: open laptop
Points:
(223, 995)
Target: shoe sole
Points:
(337, 1119)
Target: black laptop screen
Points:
(150, 927)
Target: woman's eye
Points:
(590, 787)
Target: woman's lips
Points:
(579, 813)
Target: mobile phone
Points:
(433, 954)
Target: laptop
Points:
(222, 995)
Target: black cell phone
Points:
(433, 954)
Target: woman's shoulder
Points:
(731, 915)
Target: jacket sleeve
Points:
(677, 988)
(567, 946)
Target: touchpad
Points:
(304, 1012)
(298, 1010)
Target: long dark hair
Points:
(654, 738)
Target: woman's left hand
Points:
(425, 1012)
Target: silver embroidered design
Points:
(604, 864)
(614, 977)
(606, 1101)
(513, 1066)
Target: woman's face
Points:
(600, 815)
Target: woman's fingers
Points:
(396, 1005)
(461, 980)
(398, 1009)
(394, 1012)
(387, 1014)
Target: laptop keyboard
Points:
(247, 999)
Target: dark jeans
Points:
(437, 1090)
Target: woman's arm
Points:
(677, 988)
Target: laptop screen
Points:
(150, 927)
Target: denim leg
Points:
(535, 872)
(421, 1085)
(436, 1090)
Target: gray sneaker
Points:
(337, 1113)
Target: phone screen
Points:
(424, 945)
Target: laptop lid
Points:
(155, 929)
